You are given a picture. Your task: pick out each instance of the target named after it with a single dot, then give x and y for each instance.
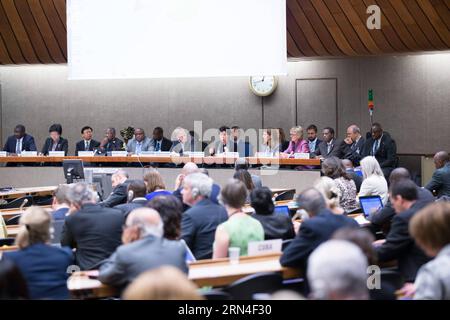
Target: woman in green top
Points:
(240, 228)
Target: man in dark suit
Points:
(94, 231)
(398, 244)
(136, 197)
(144, 249)
(110, 142)
(20, 141)
(330, 146)
(381, 220)
(440, 182)
(354, 144)
(318, 227)
(55, 142)
(199, 223)
(119, 182)
(160, 143)
(383, 148)
(188, 168)
(60, 203)
(87, 144)
(313, 140)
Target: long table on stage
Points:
(164, 159)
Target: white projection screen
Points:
(113, 39)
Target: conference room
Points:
(224, 150)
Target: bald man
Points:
(188, 168)
(119, 182)
(144, 248)
(440, 182)
(354, 144)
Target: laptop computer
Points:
(370, 204)
(282, 210)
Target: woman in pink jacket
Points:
(297, 143)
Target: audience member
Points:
(136, 192)
(245, 177)
(275, 226)
(164, 283)
(199, 223)
(374, 183)
(430, 228)
(243, 164)
(12, 283)
(60, 203)
(332, 167)
(94, 231)
(144, 248)
(55, 142)
(188, 168)
(87, 144)
(215, 191)
(337, 271)
(119, 182)
(350, 169)
(381, 146)
(331, 193)
(155, 185)
(398, 244)
(43, 266)
(240, 228)
(318, 226)
(170, 209)
(440, 181)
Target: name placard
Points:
(85, 153)
(119, 153)
(28, 154)
(256, 248)
(301, 155)
(56, 153)
(3, 154)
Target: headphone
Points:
(195, 193)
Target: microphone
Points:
(25, 201)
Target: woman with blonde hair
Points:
(43, 266)
(330, 191)
(155, 185)
(374, 183)
(164, 283)
(297, 143)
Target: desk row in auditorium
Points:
(176, 159)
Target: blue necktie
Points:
(158, 146)
(376, 145)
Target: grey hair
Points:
(330, 191)
(338, 267)
(80, 193)
(146, 228)
(370, 166)
(355, 128)
(298, 130)
(312, 201)
(201, 182)
(121, 172)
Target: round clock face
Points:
(263, 85)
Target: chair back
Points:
(245, 288)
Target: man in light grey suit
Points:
(144, 248)
(140, 142)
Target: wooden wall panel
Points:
(35, 31)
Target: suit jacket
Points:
(313, 153)
(126, 208)
(166, 144)
(60, 214)
(27, 144)
(337, 149)
(147, 145)
(95, 232)
(386, 154)
(113, 145)
(117, 196)
(44, 268)
(150, 252)
(300, 147)
(180, 148)
(244, 149)
(312, 233)
(81, 147)
(440, 181)
(401, 247)
(63, 145)
(275, 226)
(198, 227)
(353, 151)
